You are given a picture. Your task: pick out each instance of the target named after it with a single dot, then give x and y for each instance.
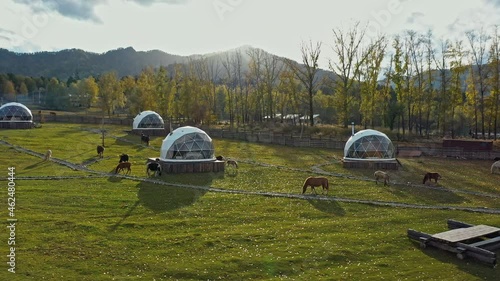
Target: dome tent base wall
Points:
(377, 165)
(16, 125)
(191, 167)
(151, 132)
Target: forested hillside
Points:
(66, 63)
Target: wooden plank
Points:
(452, 224)
(461, 234)
(476, 250)
(486, 242)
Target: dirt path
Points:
(316, 169)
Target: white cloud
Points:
(80, 10)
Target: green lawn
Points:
(80, 225)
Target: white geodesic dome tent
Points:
(187, 144)
(15, 112)
(148, 120)
(368, 145)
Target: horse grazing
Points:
(123, 158)
(100, 150)
(145, 139)
(48, 155)
(430, 176)
(155, 167)
(232, 163)
(122, 166)
(495, 167)
(315, 181)
(381, 175)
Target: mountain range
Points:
(65, 63)
(79, 63)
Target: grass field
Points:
(89, 225)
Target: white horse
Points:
(48, 155)
(495, 167)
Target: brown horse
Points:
(122, 166)
(430, 176)
(381, 175)
(315, 181)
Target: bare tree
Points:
(372, 98)
(255, 78)
(272, 66)
(478, 57)
(457, 69)
(307, 72)
(351, 56)
(230, 81)
(445, 103)
(494, 80)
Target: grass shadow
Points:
(127, 214)
(162, 198)
(114, 179)
(35, 164)
(231, 172)
(431, 194)
(91, 160)
(328, 206)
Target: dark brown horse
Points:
(430, 176)
(100, 150)
(122, 166)
(145, 139)
(123, 158)
(315, 181)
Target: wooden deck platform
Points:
(462, 234)
(465, 240)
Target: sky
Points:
(187, 27)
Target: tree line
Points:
(412, 83)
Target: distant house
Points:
(316, 119)
(291, 119)
(276, 117)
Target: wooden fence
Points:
(278, 138)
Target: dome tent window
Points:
(148, 120)
(15, 112)
(369, 144)
(187, 144)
